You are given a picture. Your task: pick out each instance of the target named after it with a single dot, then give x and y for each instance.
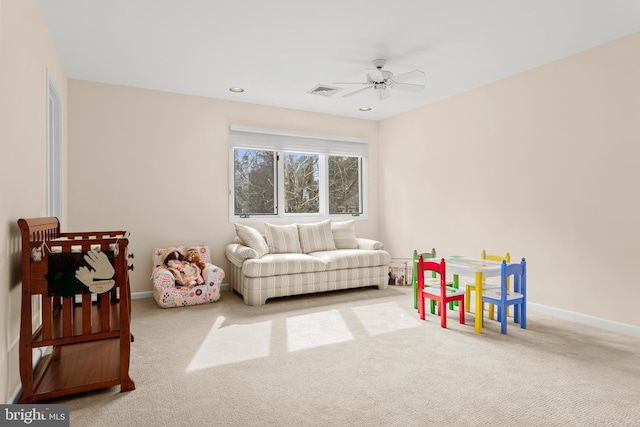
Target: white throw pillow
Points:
(282, 239)
(344, 234)
(316, 237)
(252, 238)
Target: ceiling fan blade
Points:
(375, 75)
(415, 74)
(351, 83)
(408, 86)
(357, 91)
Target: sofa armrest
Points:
(162, 278)
(237, 253)
(369, 244)
(212, 274)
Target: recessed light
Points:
(236, 89)
(365, 108)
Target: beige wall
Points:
(156, 164)
(26, 52)
(545, 164)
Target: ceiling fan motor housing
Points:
(379, 63)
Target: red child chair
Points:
(442, 294)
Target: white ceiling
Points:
(278, 50)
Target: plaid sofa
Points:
(294, 259)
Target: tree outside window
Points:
(344, 184)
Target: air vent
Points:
(324, 90)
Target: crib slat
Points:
(67, 317)
(105, 312)
(47, 316)
(86, 314)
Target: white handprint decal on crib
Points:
(102, 271)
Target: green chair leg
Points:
(455, 285)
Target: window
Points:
(301, 183)
(344, 184)
(278, 175)
(254, 182)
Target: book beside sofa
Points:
(296, 259)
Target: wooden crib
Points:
(88, 334)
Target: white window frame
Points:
(288, 141)
(54, 150)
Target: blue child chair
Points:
(502, 297)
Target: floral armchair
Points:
(168, 295)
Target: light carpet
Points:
(363, 358)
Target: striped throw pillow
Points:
(316, 237)
(252, 238)
(282, 239)
(344, 234)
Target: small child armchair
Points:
(169, 294)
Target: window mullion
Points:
(280, 183)
(324, 184)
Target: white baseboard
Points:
(16, 395)
(609, 325)
(141, 295)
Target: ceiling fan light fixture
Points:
(236, 89)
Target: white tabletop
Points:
(468, 267)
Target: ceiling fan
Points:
(381, 80)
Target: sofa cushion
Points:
(282, 239)
(344, 234)
(282, 264)
(252, 238)
(316, 237)
(352, 258)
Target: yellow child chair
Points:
(472, 287)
